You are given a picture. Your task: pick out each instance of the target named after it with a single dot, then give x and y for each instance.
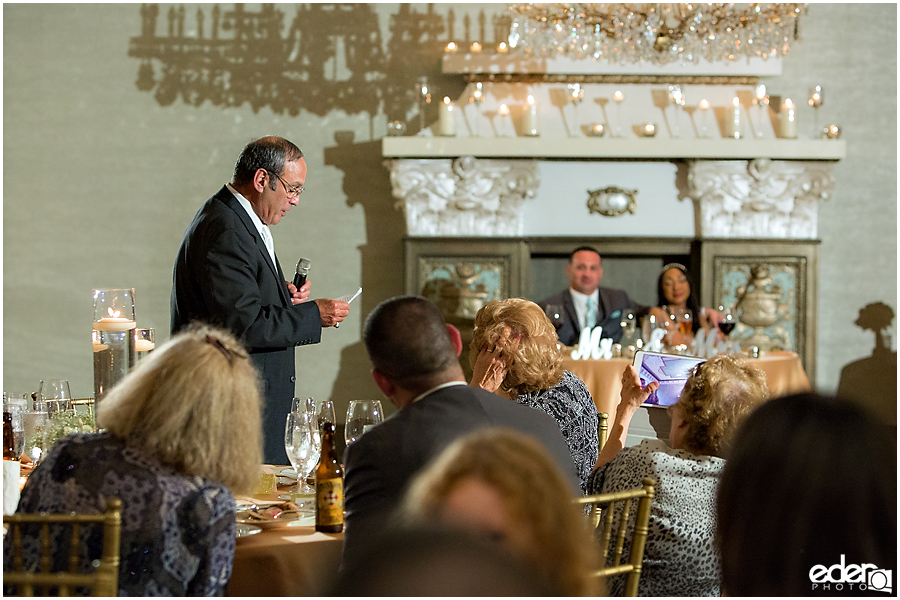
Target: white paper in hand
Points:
(348, 298)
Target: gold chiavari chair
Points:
(603, 508)
(603, 430)
(103, 581)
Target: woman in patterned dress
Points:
(182, 431)
(515, 353)
(679, 557)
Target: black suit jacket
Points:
(380, 464)
(609, 316)
(224, 276)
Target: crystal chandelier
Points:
(654, 33)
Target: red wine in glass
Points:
(726, 327)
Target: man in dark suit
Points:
(585, 303)
(415, 361)
(226, 274)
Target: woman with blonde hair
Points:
(515, 353)
(182, 431)
(501, 485)
(680, 558)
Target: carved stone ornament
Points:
(612, 201)
(761, 198)
(464, 196)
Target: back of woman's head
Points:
(536, 495)
(716, 397)
(810, 481)
(530, 346)
(193, 404)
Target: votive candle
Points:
(788, 119)
(446, 118)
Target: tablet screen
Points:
(670, 371)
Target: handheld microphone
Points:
(302, 272)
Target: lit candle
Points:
(704, 104)
(503, 120)
(531, 120)
(143, 345)
(503, 111)
(832, 132)
(502, 48)
(788, 119)
(618, 96)
(704, 117)
(733, 120)
(597, 129)
(760, 93)
(451, 48)
(114, 322)
(446, 121)
(649, 130)
(476, 47)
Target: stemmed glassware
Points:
(362, 415)
(816, 98)
(300, 444)
(727, 324)
(55, 395)
(576, 95)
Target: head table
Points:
(289, 561)
(603, 378)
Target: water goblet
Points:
(362, 415)
(301, 448)
(55, 395)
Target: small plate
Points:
(244, 518)
(243, 530)
(289, 473)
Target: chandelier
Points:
(654, 33)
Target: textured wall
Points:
(101, 178)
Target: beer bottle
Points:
(329, 486)
(9, 444)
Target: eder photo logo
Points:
(844, 577)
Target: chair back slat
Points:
(606, 504)
(103, 581)
(603, 429)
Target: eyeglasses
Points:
(292, 192)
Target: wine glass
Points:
(55, 395)
(362, 415)
(301, 448)
(727, 324)
(554, 312)
(684, 318)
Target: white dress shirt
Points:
(261, 227)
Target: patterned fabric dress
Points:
(570, 403)
(679, 557)
(178, 532)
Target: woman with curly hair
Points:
(679, 557)
(501, 486)
(515, 353)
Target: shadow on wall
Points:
(872, 382)
(327, 57)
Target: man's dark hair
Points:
(269, 153)
(583, 249)
(407, 340)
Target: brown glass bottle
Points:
(329, 486)
(9, 444)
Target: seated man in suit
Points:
(585, 303)
(414, 355)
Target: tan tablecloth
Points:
(291, 561)
(603, 378)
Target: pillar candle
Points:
(788, 119)
(531, 120)
(446, 118)
(733, 120)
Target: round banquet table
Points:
(290, 561)
(603, 378)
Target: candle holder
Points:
(676, 98)
(113, 338)
(597, 129)
(831, 132)
(144, 341)
(816, 97)
(618, 97)
(576, 95)
(648, 130)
